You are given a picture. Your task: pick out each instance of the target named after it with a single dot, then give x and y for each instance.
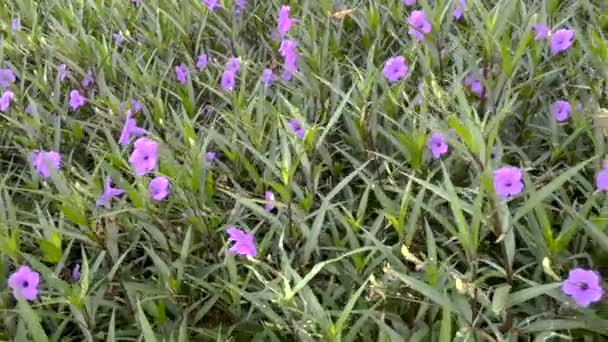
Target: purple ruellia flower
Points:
(144, 156)
(210, 156)
(268, 201)
(87, 80)
(239, 5)
(601, 179)
(459, 8)
(5, 100)
(130, 128)
(507, 181)
(296, 127)
(243, 242)
(108, 193)
(158, 188)
(15, 24)
(284, 21)
(76, 99)
(267, 77)
(583, 286)
(437, 145)
(211, 4)
(419, 25)
(62, 71)
(395, 68)
(408, 2)
(180, 73)
(24, 282)
(474, 85)
(560, 110)
(7, 77)
(287, 50)
(42, 158)
(232, 64)
(117, 38)
(540, 31)
(561, 40)
(227, 82)
(76, 272)
(201, 61)
(30, 107)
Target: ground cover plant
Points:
(395, 170)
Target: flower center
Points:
(25, 284)
(508, 184)
(582, 285)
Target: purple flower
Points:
(144, 156)
(408, 2)
(507, 181)
(583, 286)
(108, 193)
(24, 282)
(239, 5)
(201, 61)
(117, 38)
(284, 21)
(211, 4)
(76, 272)
(227, 82)
(287, 50)
(76, 99)
(437, 145)
(15, 24)
(5, 100)
(232, 64)
(158, 188)
(40, 160)
(540, 31)
(130, 128)
(243, 242)
(295, 127)
(180, 73)
(267, 77)
(7, 77)
(30, 107)
(601, 179)
(395, 68)
(210, 156)
(459, 9)
(561, 40)
(419, 24)
(493, 153)
(63, 72)
(87, 80)
(560, 110)
(474, 85)
(268, 201)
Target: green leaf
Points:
(32, 320)
(144, 324)
(312, 239)
(501, 295)
(537, 197)
(525, 295)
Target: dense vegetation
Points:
(395, 170)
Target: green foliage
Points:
(371, 240)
